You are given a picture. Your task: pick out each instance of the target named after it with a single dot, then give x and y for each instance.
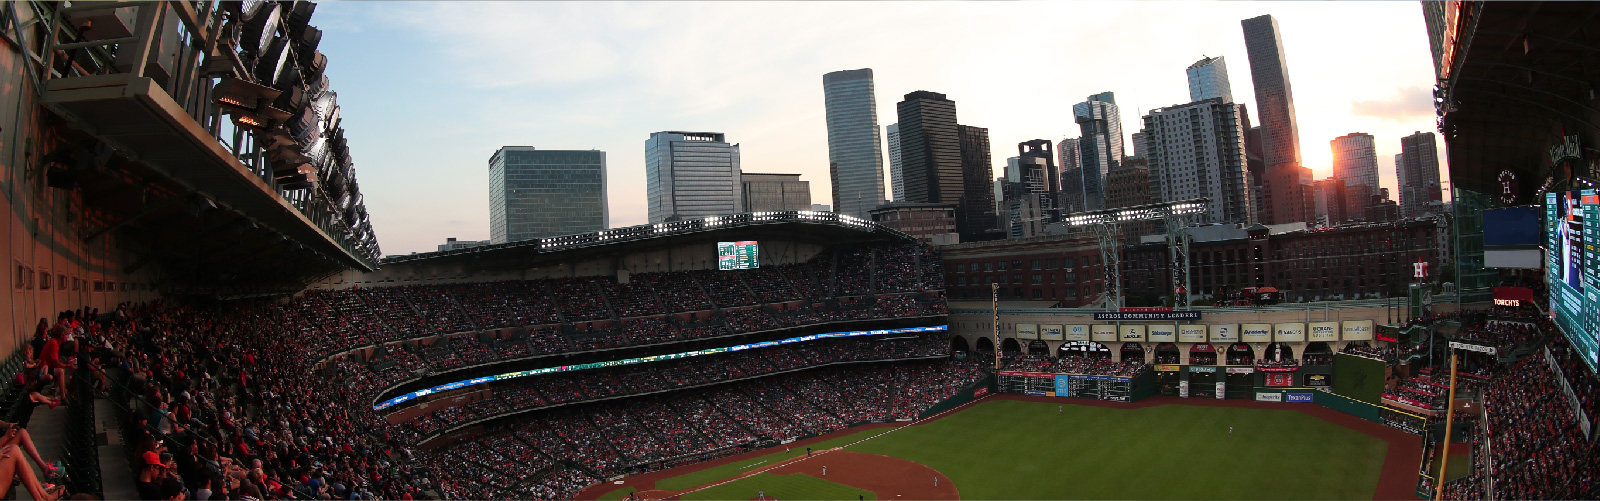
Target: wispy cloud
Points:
(1405, 104)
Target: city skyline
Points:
(571, 89)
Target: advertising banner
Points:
(1241, 370)
(1269, 397)
(1357, 330)
(1027, 331)
(1062, 388)
(1156, 315)
(1472, 346)
(1222, 390)
(1167, 368)
(980, 391)
(1317, 380)
(1077, 332)
(1255, 333)
(1323, 331)
(1103, 333)
(1293, 332)
(1163, 333)
(1298, 397)
(1224, 333)
(1192, 333)
(1279, 379)
(1050, 332)
(1183, 389)
(1202, 369)
(1132, 333)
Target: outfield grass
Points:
(1007, 449)
(783, 487)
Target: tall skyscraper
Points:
(1355, 163)
(1100, 147)
(855, 152)
(1417, 167)
(897, 175)
(1066, 158)
(691, 175)
(774, 192)
(1280, 137)
(976, 168)
(930, 152)
(545, 193)
(1208, 78)
(1197, 150)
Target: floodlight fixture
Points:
(237, 94)
(258, 28)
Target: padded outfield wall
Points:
(1359, 378)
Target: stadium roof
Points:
(822, 227)
(1515, 78)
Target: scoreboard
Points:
(738, 255)
(1572, 230)
(1099, 387)
(1027, 383)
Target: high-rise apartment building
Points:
(855, 152)
(1197, 150)
(1417, 167)
(1066, 159)
(1355, 162)
(691, 175)
(1280, 136)
(544, 193)
(1100, 147)
(1208, 78)
(897, 175)
(1129, 185)
(973, 209)
(774, 192)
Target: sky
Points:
(429, 90)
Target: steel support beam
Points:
(1109, 236)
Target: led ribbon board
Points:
(653, 358)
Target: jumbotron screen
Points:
(1572, 224)
(738, 255)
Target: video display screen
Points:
(738, 255)
(1572, 230)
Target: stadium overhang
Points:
(1517, 85)
(821, 227)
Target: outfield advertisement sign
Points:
(1077, 332)
(1167, 368)
(1132, 333)
(1225, 333)
(1297, 397)
(1191, 333)
(1293, 332)
(1269, 397)
(1107, 333)
(1050, 332)
(1357, 330)
(1153, 315)
(1206, 369)
(1255, 333)
(1027, 331)
(1163, 333)
(1183, 389)
(1317, 380)
(1063, 385)
(1222, 390)
(1241, 370)
(1323, 331)
(1471, 346)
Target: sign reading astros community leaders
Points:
(1151, 315)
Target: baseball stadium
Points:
(200, 310)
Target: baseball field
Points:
(1009, 447)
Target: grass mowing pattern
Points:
(1006, 449)
(784, 487)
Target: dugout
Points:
(1131, 351)
(1240, 354)
(1168, 353)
